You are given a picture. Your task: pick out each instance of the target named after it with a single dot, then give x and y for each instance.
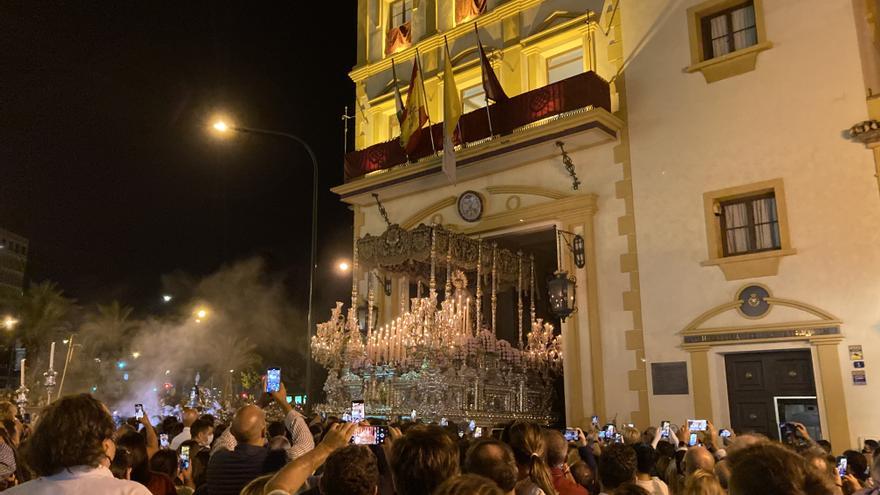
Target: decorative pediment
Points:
(754, 302)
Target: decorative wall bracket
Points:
(569, 166)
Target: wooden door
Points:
(755, 378)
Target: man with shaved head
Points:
(230, 471)
(190, 416)
(494, 460)
(698, 458)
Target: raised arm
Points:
(292, 476)
(152, 438)
(300, 434)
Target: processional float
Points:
(439, 358)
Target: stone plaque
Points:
(670, 378)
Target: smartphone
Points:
(724, 433)
(184, 456)
(664, 429)
(610, 430)
(841, 466)
(496, 433)
(370, 435)
(571, 434)
(602, 435)
(357, 411)
(273, 380)
(444, 422)
(630, 425)
(138, 411)
(595, 420)
(163, 441)
(618, 438)
(26, 418)
(412, 415)
(697, 425)
(692, 440)
(472, 425)
(478, 432)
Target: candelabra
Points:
(437, 358)
(49, 383)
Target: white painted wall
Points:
(782, 120)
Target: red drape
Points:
(398, 38)
(465, 9)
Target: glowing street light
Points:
(200, 314)
(343, 266)
(220, 126)
(9, 322)
(167, 298)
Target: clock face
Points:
(470, 206)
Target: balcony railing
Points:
(575, 93)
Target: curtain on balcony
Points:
(398, 38)
(465, 9)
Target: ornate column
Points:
(702, 391)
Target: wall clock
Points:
(470, 206)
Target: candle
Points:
(52, 356)
(22, 372)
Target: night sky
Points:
(105, 162)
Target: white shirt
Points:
(655, 486)
(180, 438)
(80, 480)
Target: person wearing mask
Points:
(617, 466)
(529, 449)
(202, 432)
(190, 416)
(493, 459)
(646, 459)
(557, 450)
(71, 449)
(351, 470)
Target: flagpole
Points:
(485, 93)
(425, 95)
(398, 103)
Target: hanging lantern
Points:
(562, 292)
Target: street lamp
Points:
(343, 267)
(223, 127)
(9, 322)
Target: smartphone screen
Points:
(841, 466)
(697, 425)
(602, 435)
(444, 422)
(357, 411)
(478, 432)
(184, 456)
(163, 440)
(609, 431)
(138, 411)
(595, 420)
(472, 425)
(273, 380)
(412, 415)
(664, 429)
(618, 438)
(692, 439)
(724, 433)
(370, 435)
(571, 434)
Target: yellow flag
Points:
(415, 116)
(451, 114)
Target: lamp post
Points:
(223, 127)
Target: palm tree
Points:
(44, 313)
(106, 332)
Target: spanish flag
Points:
(415, 113)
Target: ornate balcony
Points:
(577, 104)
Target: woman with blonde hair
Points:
(529, 447)
(702, 482)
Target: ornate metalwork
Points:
(435, 358)
(569, 166)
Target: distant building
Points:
(13, 259)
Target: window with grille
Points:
(749, 225)
(565, 65)
(473, 98)
(729, 30)
(401, 13)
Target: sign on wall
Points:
(670, 378)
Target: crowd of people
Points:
(75, 447)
